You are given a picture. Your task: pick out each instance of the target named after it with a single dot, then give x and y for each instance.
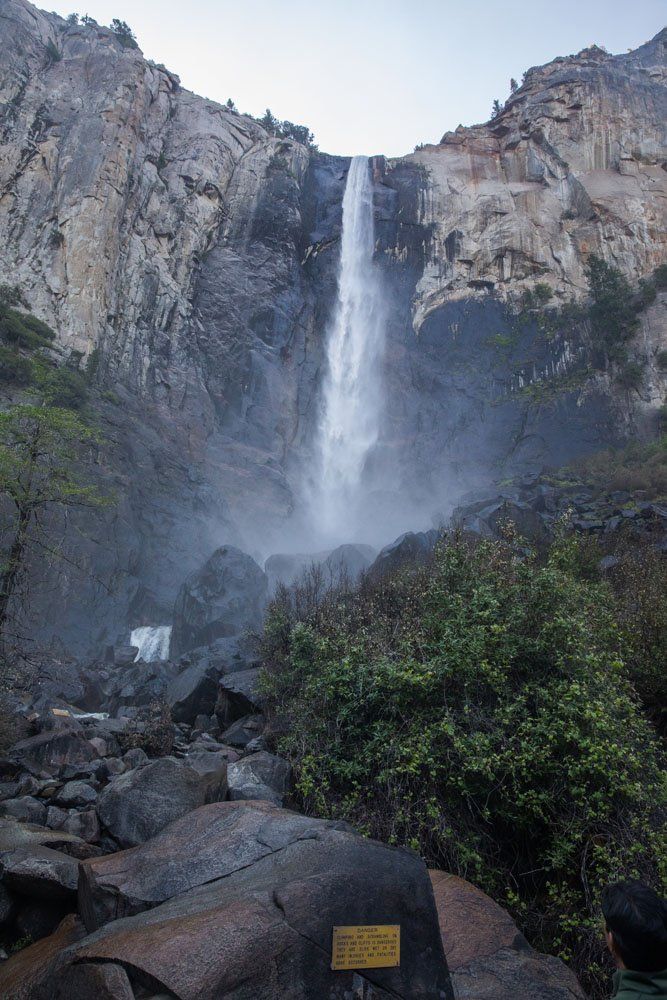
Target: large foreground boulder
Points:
(255, 894)
(207, 844)
(136, 805)
(488, 957)
(226, 597)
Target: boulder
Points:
(28, 971)
(488, 957)
(91, 979)
(124, 655)
(135, 757)
(242, 732)
(136, 805)
(76, 793)
(40, 872)
(268, 887)
(411, 548)
(238, 696)
(346, 564)
(205, 845)
(226, 597)
(50, 751)
(24, 809)
(193, 691)
(83, 823)
(259, 776)
(15, 835)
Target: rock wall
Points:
(198, 254)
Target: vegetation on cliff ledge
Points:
(483, 710)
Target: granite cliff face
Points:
(198, 255)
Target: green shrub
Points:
(636, 467)
(479, 711)
(661, 359)
(24, 329)
(614, 308)
(11, 295)
(630, 376)
(52, 51)
(124, 34)
(14, 368)
(62, 387)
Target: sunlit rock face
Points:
(200, 256)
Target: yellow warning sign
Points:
(373, 946)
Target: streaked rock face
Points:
(574, 164)
(199, 255)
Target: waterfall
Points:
(153, 642)
(351, 396)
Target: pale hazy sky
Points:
(370, 76)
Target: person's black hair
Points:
(637, 919)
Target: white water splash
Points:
(153, 642)
(351, 398)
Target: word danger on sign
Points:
(373, 946)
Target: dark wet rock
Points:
(50, 751)
(27, 973)
(82, 823)
(226, 597)
(268, 883)
(259, 776)
(76, 793)
(488, 958)
(8, 790)
(136, 805)
(124, 655)
(194, 691)
(210, 761)
(37, 918)
(94, 981)
(25, 809)
(238, 696)
(8, 905)
(243, 731)
(56, 817)
(40, 872)
(207, 844)
(135, 758)
(411, 548)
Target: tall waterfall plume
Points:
(351, 408)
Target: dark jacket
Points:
(636, 985)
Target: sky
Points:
(370, 76)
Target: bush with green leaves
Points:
(15, 368)
(23, 330)
(124, 34)
(637, 466)
(479, 711)
(614, 309)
